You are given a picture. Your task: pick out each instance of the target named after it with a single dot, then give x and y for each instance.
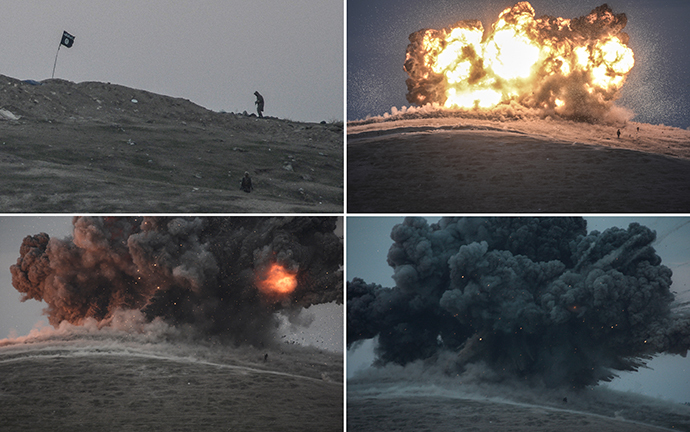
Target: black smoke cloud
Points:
(580, 99)
(196, 272)
(533, 298)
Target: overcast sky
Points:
(215, 53)
(19, 318)
(657, 90)
(368, 241)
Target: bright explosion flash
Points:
(277, 280)
(571, 67)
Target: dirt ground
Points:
(103, 387)
(459, 165)
(104, 148)
(442, 414)
(402, 399)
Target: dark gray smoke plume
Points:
(199, 272)
(536, 298)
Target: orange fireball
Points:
(277, 280)
(552, 63)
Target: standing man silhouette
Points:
(246, 184)
(259, 103)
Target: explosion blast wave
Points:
(570, 67)
(200, 272)
(536, 298)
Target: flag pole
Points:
(56, 56)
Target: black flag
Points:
(67, 39)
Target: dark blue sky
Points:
(657, 90)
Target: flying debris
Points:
(203, 273)
(534, 298)
(570, 67)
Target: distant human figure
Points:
(618, 133)
(265, 357)
(246, 183)
(259, 103)
(638, 128)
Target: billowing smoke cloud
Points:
(197, 272)
(534, 298)
(568, 67)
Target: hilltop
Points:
(101, 147)
(116, 381)
(440, 162)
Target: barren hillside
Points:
(100, 147)
(120, 383)
(440, 164)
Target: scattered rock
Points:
(7, 115)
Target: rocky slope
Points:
(101, 147)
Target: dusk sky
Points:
(215, 53)
(668, 377)
(19, 318)
(657, 89)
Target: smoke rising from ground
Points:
(534, 298)
(194, 272)
(577, 70)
